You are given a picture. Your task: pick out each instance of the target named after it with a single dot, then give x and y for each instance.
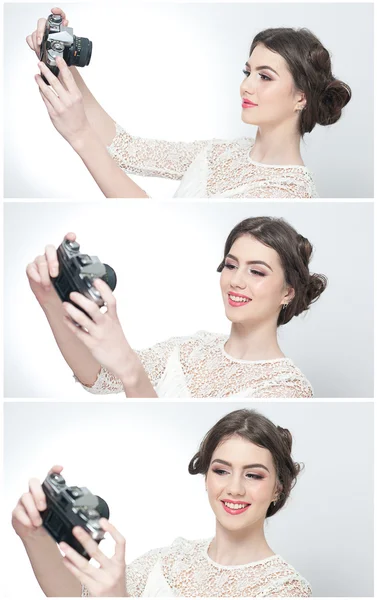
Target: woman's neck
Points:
(277, 145)
(253, 342)
(231, 548)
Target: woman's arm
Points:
(45, 558)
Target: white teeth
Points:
(235, 506)
(238, 298)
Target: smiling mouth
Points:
(235, 508)
(238, 300)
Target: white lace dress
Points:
(198, 367)
(185, 569)
(210, 168)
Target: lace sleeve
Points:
(153, 359)
(297, 388)
(285, 188)
(154, 158)
(293, 588)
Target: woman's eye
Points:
(228, 266)
(220, 471)
(253, 476)
(257, 273)
(264, 77)
(246, 73)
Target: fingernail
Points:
(41, 505)
(54, 272)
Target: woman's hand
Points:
(41, 270)
(110, 578)
(64, 103)
(102, 333)
(26, 520)
(34, 40)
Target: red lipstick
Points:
(234, 511)
(248, 103)
(240, 302)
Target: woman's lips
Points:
(234, 511)
(246, 104)
(236, 303)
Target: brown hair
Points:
(310, 66)
(294, 251)
(254, 427)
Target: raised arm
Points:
(44, 555)
(106, 149)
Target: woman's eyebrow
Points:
(250, 262)
(228, 464)
(263, 67)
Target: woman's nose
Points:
(237, 279)
(236, 487)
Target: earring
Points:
(301, 108)
(285, 305)
(274, 502)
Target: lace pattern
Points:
(210, 168)
(188, 571)
(198, 367)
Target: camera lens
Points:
(81, 52)
(110, 277)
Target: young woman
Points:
(249, 473)
(288, 87)
(265, 282)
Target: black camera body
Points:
(77, 272)
(68, 507)
(60, 41)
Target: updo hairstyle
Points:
(254, 427)
(294, 252)
(310, 66)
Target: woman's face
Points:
(241, 484)
(253, 283)
(269, 87)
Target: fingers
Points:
(82, 577)
(80, 563)
(91, 547)
(67, 77)
(107, 295)
(89, 306)
(33, 273)
(56, 469)
(31, 510)
(55, 85)
(120, 542)
(52, 260)
(41, 25)
(19, 514)
(37, 493)
(50, 108)
(59, 11)
(42, 266)
(70, 236)
(30, 40)
(78, 315)
(48, 94)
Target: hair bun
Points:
(305, 248)
(317, 285)
(286, 437)
(333, 99)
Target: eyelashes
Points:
(254, 271)
(222, 472)
(261, 75)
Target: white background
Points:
(166, 256)
(141, 451)
(172, 71)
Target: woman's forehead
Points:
(263, 56)
(246, 247)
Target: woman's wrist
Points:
(84, 140)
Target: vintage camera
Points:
(68, 507)
(60, 41)
(77, 271)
